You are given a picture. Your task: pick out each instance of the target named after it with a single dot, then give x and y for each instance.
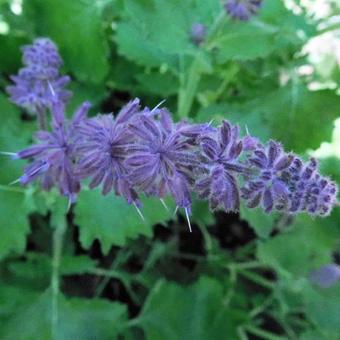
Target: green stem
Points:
(248, 265)
(189, 84)
(329, 28)
(257, 279)
(58, 236)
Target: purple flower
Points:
(103, 147)
(54, 156)
(326, 276)
(266, 186)
(242, 9)
(38, 86)
(219, 185)
(198, 33)
(162, 159)
(309, 191)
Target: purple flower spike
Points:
(326, 276)
(267, 186)
(53, 158)
(38, 86)
(162, 159)
(198, 33)
(103, 148)
(222, 151)
(242, 9)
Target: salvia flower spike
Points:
(39, 85)
(143, 151)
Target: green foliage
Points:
(220, 281)
(119, 222)
(79, 319)
(261, 222)
(77, 29)
(202, 312)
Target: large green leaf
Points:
(78, 319)
(77, 29)
(275, 29)
(155, 32)
(261, 222)
(193, 312)
(299, 118)
(14, 226)
(112, 221)
(307, 246)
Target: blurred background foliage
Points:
(241, 276)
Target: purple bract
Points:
(242, 9)
(53, 158)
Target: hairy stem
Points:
(41, 118)
(190, 82)
(57, 245)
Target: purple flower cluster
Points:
(326, 276)
(143, 151)
(242, 9)
(39, 85)
(198, 33)
(55, 155)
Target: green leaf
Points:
(244, 41)
(15, 135)
(275, 29)
(158, 84)
(155, 32)
(292, 115)
(323, 307)
(77, 29)
(307, 246)
(14, 224)
(112, 221)
(198, 312)
(262, 223)
(10, 54)
(78, 319)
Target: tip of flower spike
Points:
(12, 155)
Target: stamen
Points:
(157, 106)
(51, 88)
(247, 131)
(15, 181)
(139, 212)
(176, 209)
(188, 220)
(210, 122)
(69, 203)
(164, 204)
(13, 155)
